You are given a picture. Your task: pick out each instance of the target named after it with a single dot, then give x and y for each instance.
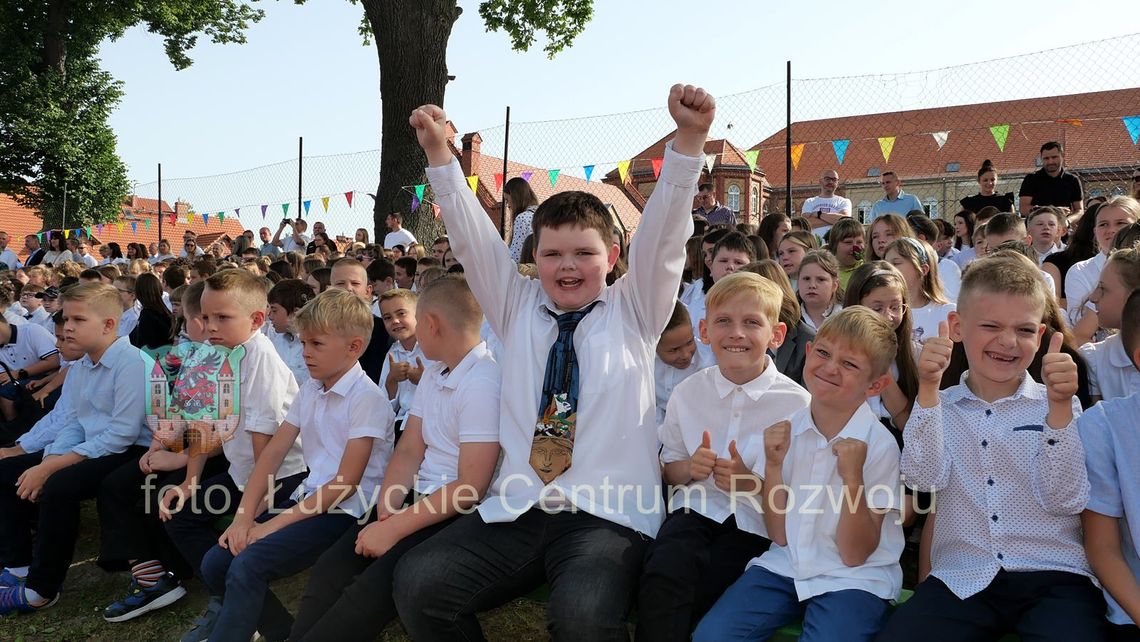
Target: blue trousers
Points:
(248, 606)
(761, 602)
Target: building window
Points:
(930, 205)
(734, 198)
(864, 210)
(953, 167)
(872, 171)
(755, 209)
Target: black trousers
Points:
(1036, 605)
(591, 564)
(692, 561)
(128, 517)
(349, 597)
(57, 527)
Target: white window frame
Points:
(732, 199)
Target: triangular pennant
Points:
(99, 227)
(588, 169)
(1075, 122)
(88, 228)
(498, 182)
(709, 160)
(348, 197)
(941, 138)
(221, 217)
(420, 191)
(174, 217)
(526, 176)
(415, 203)
(435, 210)
(134, 227)
(325, 203)
(67, 233)
(40, 237)
(886, 145)
(840, 148)
(553, 174)
(623, 170)
(263, 208)
(237, 212)
(1000, 134)
(1132, 124)
(797, 154)
(306, 204)
(118, 225)
(285, 209)
(750, 158)
(146, 223)
(656, 162)
(473, 183)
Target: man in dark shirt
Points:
(1052, 185)
(711, 210)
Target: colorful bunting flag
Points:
(415, 203)
(285, 209)
(174, 217)
(206, 219)
(750, 158)
(526, 176)
(221, 217)
(146, 223)
(588, 169)
(40, 236)
(99, 227)
(553, 175)
(1000, 134)
(306, 204)
(348, 197)
(88, 228)
(797, 154)
(941, 138)
(263, 208)
(710, 159)
(118, 225)
(623, 170)
(498, 182)
(420, 191)
(67, 233)
(1075, 122)
(473, 183)
(657, 166)
(325, 203)
(840, 148)
(134, 227)
(435, 210)
(1132, 124)
(237, 212)
(886, 144)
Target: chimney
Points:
(470, 154)
(181, 208)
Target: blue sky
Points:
(305, 73)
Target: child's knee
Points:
(415, 578)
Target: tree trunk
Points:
(411, 41)
(55, 37)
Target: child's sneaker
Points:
(8, 579)
(13, 600)
(204, 625)
(144, 600)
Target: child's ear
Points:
(955, 322)
(612, 257)
(356, 346)
(779, 331)
(703, 326)
(879, 384)
(257, 318)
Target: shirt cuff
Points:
(678, 169)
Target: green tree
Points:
(411, 43)
(55, 100)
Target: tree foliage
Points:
(561, 20)
(55, 100)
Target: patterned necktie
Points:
(551, 452)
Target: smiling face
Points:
(677, 346)
(790, 254)
(1000, 334)
(1109, 221)
(816, 286)
(572, 264)
(740, 335)
(838, 375)
(888, 303)
(987, 183)
(399, 317)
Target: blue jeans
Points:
(248, 606)
(761, 602)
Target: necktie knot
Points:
(568, 321)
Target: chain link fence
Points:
(934, 128)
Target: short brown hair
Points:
(103, 299)
(291, 294)
(679, 317)
(450, 297)
(581, 209)
(192, 299)
(246, 289)
(859, 328)
(998, 275)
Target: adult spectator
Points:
(163, 253)
(1052, 185)
(397, 235)
(35, 251)
(895, 200)
(297, 241)
(361, 236)
(710, 209)
(57, 251)
(520, 199)
(7, 256)
(440, 246)
(318, 229)
(824, 210)
(190, 237)
(83, 255)
(987, 192)
(267, 246)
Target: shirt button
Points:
(1000, 556)
(738, 389)
(989, 412)
(993, 517)
(1051, 442)
(990, 481)
(984, 443)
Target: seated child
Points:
(286, 299)
(1006, 227)
(818, 288)
(442, 465)
(34, 306)
(131, 306)
(1111, 374)
(676, 357)
(29, 353)
(949, 273)
(1001, 452)
(925, 298)
(845, 241)
(100, 429)
(792, 353)
(351, 275)
(834, 559)
(405, 362)
(50, 298)
(712, 438)
(579, 489)
(1109, 520)
(345, 426)
(1045, 226)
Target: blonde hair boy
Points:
(338, 312)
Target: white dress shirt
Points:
(86, 259)
(129, 319)
(9, 258)
(1010, 489)
(730, 412)
(288, 346)
(816, 500)
(615, 473)
(1111, 373)
(457, 407)
(925, 320)
(693, 298)
(666, 378)
(405, 390)
(1080, 281)
(353, 408)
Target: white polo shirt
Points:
(811, 557)
(405, 390)
(707, 401)
(28, 344)
(288, 346)
(353, 408)
(666, 378)
(457, 407)
(267, 390)
(1111, 373)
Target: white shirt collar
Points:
(754, 389)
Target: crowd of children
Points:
(724, 442)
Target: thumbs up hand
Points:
(935, 357)
(732, 474)
(703, 460)
(1059, 374)
(414, 373)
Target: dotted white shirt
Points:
(1010, 490)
